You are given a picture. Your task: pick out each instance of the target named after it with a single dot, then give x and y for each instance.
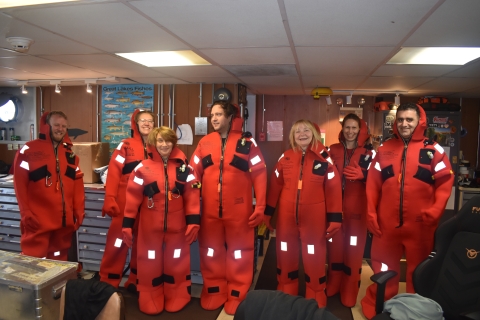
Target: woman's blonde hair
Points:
(315, 134)
(165, 132)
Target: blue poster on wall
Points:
(118, 104)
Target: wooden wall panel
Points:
(470, 121)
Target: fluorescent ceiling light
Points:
(21, 3)
(165, 58)
(438, 55)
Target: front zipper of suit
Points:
(402, 181)
(300, 186)
(166, 195)
(59, 185)
(220, 177)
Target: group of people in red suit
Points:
(325, 200)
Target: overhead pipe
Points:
(201, 100)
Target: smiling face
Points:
(163, 146)
(407, 121)
(350, 130)
(303, 136)
(220, 122)
(145, 124)
(59, 128)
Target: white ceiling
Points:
(274, 47)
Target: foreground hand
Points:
(255, 219)
(333, 227)
(372, 226)
(191, 233)
(127, 236)
(353, 172)
(266, 220)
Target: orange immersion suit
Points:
(49, 188)
(307, 187)
(128, 154)
(345, 250)
(408, 186)
(226, 239)
(165, 198)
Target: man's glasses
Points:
(146, 120)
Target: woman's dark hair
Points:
(352, 116)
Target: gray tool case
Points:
(30, 288)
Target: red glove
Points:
(191, 233)
(110, 207)
(127, 236)
(78, 219)
(28, 222)
(372, 225)
(256, 218)
(333, 227)
(266, 220)
(353, 172)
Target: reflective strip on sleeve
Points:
(439, 148)
(196, 159)
(441, 165)
(281, 157)
(384, 267)
(329, 160)
(138, 180)
(138, 167)
(151, 254)
(377, 166)
(176, 253)
(368, 168)
(56, 253)
(210, 252)
(24, 148)
(120, 145)
(276, 173)
(254, 142)
(331, 175)
(120, 159)
(77, 169)
(255, 160)
(373, 154)
(283, 246)
(25, 165)
(190, 177)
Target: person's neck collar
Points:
(350, 144)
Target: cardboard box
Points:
(92, 155)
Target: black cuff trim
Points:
(337, 266)
(128, 168)
(279, 271)
(42, 136)
(269, 210)
(347, 270)
(113, 276)
(235, 293)
(334, 217)
(128, 222)
(168, 279)
(157, 281)
(322, 280)
(307, 278)
(133, 270)
(192, 219)
(188, 277)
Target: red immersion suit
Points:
(226, 240)
(308, 190)
(129, 153)
(345, 251)
(408, 186)
(164, 194)
(49, 188)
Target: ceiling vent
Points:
(20, 44)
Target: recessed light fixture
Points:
(21, 3)
(165, 58)
(89, 88)
(435, 55)
(24, 90)
(57, 88)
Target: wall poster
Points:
(118, 104)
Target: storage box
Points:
(30, 288)
(92, 155)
